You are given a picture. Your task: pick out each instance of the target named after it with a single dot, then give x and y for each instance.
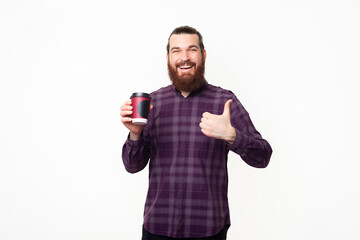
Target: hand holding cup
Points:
(131, 118)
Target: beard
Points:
(187, 82)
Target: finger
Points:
(202, 125)
(127, 103)
(227, 107)
(126, 120)
(125, 113)
(205, 121)
(207, 115)
(126, 108)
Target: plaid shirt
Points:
(188, 177)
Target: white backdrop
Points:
(67, 66)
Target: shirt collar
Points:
(205, 84)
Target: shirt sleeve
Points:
(135, 155)
(249, 144)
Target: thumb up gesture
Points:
(218, 126)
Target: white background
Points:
(67, 66)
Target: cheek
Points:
(173, 57)
(197, 59)
(172, 62)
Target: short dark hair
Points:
(186, 30)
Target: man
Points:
(191, 128)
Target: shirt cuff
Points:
(133, 143)
(240, 143)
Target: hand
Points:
(125, 113)
(218, 126)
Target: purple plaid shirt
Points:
(188, 177)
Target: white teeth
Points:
(185, 67)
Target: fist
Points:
(218, 126)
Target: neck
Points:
(185, 94)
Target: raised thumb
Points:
(227, 107)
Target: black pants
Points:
(220, 236)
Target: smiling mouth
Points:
(185, 67)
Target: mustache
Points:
(182, 63)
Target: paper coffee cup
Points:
(141, 105)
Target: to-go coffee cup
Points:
(141, 105)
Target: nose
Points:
(184, 56)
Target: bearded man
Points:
(192, 126)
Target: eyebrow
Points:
(191, 46)
(173, 48)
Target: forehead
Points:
(183, 40)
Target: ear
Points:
(167, 57)
(204, 55)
